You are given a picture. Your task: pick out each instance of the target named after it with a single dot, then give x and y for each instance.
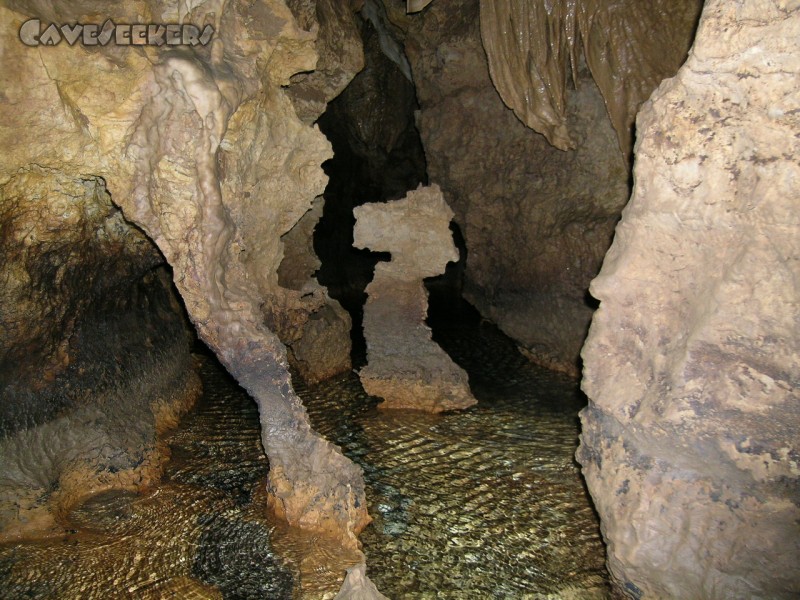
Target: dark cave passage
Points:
(378, 156)
(206, 391)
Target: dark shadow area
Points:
(378, 156)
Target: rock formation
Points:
(201, 147)
(690, 441)
(94, 349)
(339, 51)
(536, 220)
(314, 327)
(405, 366)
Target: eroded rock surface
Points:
(405, 366)
(690, 444)
(94, 349)
(630, 46)
(314, 327)
(536, 220)
(339, 51)
(201, 148)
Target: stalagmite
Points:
(690, 443)
(406, 367)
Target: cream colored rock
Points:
(338, 46)
(405, 366)
(203, 150)
(690, 443)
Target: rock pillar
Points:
(201, 148)
(405, 366)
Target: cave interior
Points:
(211, 386)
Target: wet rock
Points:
(357, 586)
(202, 149)
(339, 50)
(314, 327)
(405, 366)
(689, 445)
(630, 46)
(94, 349)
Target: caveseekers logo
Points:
(33, 33)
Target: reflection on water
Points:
(486, 503)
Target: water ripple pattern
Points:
(486, 503)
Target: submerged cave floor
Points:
(484, 503)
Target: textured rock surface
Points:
(339, 51)
(314, 327)
(94, 349)
(377, 156)
(690, 441)
(630, 46)
(357, 586)
(203, 150)
(405, 366)
(536, 220)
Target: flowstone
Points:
(405, 366)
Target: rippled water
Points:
(486, 503)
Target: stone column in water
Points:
(202, 149)
(405, 366)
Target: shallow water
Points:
(486, 503)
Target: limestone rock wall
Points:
(404, 365)
(339, 51)
(201, 148)
(536, 220)
(94, 349)
(690, 441)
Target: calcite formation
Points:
(690, 441)
(629, 45)
(536, 220)
(202, 149)
(405, 366)
(94, 350)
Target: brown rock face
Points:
(536, 220)
(690, 442)
(94, 350)
(405, 366)
(630, 46)
(314, 327)
(339, 51)
(202, 149)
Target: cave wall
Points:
(94, 349)
(536, 220)
(202, 149)
(690, 440)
